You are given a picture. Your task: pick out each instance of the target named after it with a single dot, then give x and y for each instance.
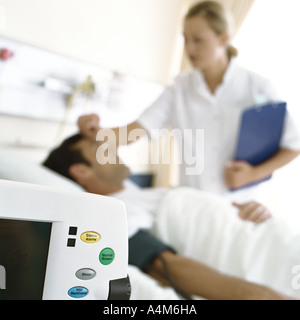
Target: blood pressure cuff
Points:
(144, 248)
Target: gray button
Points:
(85, 274)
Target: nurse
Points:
(211, 98)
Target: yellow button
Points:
(90, 237)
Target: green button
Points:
(106, 256)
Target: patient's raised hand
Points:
(89, 125)
(253, 211)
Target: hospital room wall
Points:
(134, 37)
(137, 37)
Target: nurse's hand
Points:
(239, 174)
(89, 125)
(254, 212)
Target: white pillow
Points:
(17, 168)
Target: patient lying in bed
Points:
(192, 238)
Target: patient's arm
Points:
(253, 211)
(200, 280)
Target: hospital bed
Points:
(19, 168)
(223, 241)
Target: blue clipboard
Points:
(260, 134)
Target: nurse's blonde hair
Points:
(218, 18)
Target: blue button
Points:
(78, 292)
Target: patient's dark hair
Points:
(61, 158)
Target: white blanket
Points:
(207, 228)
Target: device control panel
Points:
(77, 244)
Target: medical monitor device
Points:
(57, 245)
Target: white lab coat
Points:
(189, 104)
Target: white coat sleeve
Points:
(158, 115)
(291, 134)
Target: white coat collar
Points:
(201, 86)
